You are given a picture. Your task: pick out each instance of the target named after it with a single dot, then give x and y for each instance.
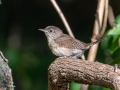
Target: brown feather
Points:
(68, 42)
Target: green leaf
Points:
(95, 87)
(117, 20)
(114, 44)
(106, 89)
(105, 43)
(74, 86)
(114, 31)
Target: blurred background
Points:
(26, 48)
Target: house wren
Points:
(63, 45)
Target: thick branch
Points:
(6, 81)
(62, 71)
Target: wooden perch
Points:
(63, 71)
(6, 81)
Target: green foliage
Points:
(74, 86)
(112, 43)
(105, 89)
(94, 87)
(115, 30)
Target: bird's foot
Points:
(62, 57)
(66, 57)
(74, 57)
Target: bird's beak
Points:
(41, 30)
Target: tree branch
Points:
(63, 71)
(6, 81)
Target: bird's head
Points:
(52, 32)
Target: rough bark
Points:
(62, 71)
(6, 81)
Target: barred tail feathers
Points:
(91, 44)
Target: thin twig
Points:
(111, 17)
(104, 20)
(98, 20)
(119, 42)
(62, 17)
(84, 87)
(96, 30)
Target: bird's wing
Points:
(69, 42)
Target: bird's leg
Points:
(62, 57)
(78, 55)
(67, 57)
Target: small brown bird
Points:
(63, 45)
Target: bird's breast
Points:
(59, 51)
(62, 51)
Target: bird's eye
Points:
(50, 30)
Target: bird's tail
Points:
(92, 43)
